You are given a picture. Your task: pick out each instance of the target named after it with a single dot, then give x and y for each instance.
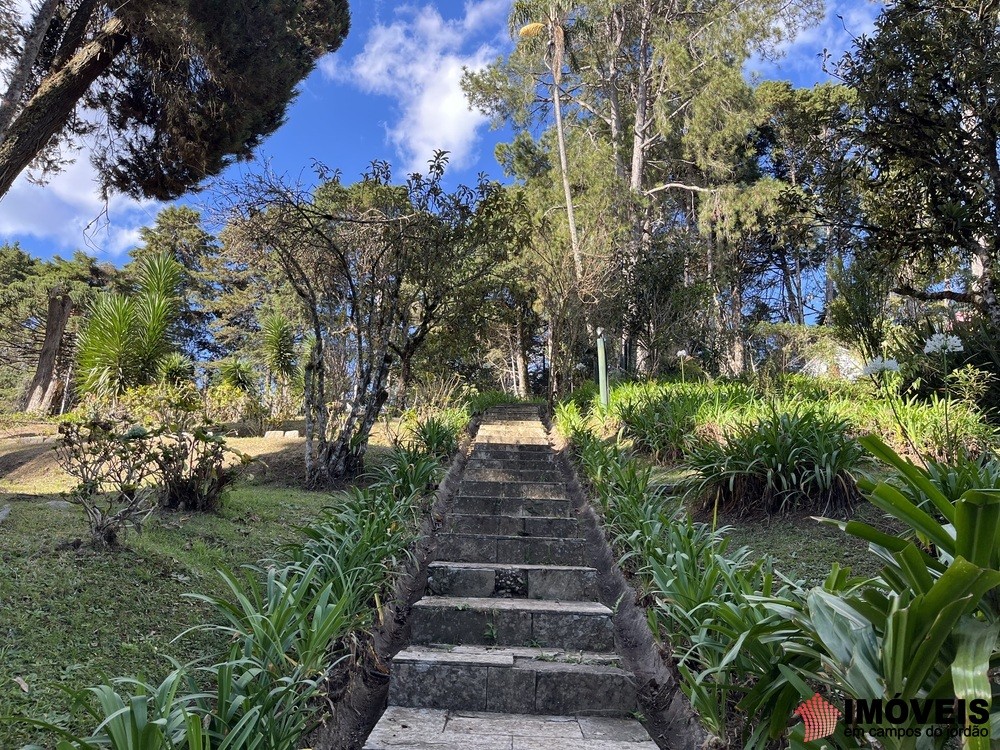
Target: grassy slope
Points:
(69, 616)
(803, 549)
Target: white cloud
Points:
(69, 214)
(417, 59)
(801, 57)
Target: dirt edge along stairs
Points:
(510, 648)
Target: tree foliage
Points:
(376, 267)
(172, 92)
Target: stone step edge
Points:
(510, 566)
(507, 537)
(511, 656)
(496, 604)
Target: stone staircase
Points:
(510, 648)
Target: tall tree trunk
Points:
(557, 36)
(316, 411)
(42, 390)
(346, 457)
(47, 112)
(21, 74)
(984, 283)
(520, 360)
(641, 228)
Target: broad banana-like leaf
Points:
(977, 521)
(892, 501)
(970, 670)
(911, 474)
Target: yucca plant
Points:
(175, 369)
(239, 374)
(278, 347)
(125, 338)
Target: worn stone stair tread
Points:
(537, 550)
(509, 656)
(434, 729)
(510, 566)
(492, 604)
(518, 580)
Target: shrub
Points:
(661, 426)
(192, 468)
(585, 395)
(157, 404)
(114, 468)
(569, 420)
(435, 437)
(796, 460)
(226, 403)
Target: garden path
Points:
(510, 648)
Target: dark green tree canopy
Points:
(180, 88)
(928, 99)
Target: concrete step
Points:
(528, 464)
(531, 550)
(514, 681)
(496, 525)
(556, 582)
(511, 447)
(533, 490)
(584, 626)
(430, 729)
(511, 453)
(511, 506)
(513, 473)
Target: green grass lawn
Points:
(69, 616)
(804, 549)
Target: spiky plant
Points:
(239, 374)
(175, 368)
(279, 351)
(125, 338)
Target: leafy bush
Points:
(192, 468)
(585, 395)
(114, 471)
(155, 405)
(796, 460)
(179, 462)
(661, 426)
(569, 420)
(226, 403)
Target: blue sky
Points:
(391, 92)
